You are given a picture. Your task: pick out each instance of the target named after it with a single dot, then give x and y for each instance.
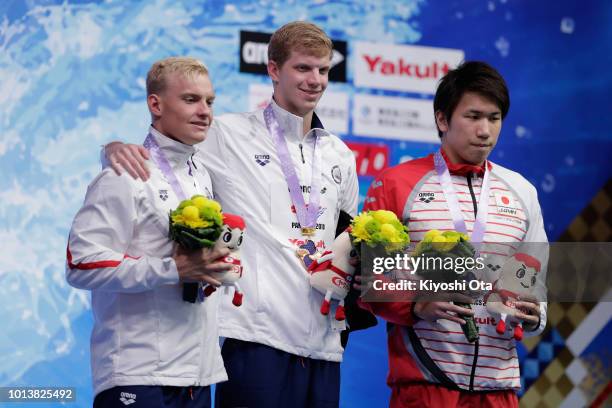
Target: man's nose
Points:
(314, 78)
(204, 109)
(484, 128)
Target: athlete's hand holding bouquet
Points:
(199, 223)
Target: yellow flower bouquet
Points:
(196, 223)
(448, 243)
(379, 228)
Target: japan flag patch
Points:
(504, 199)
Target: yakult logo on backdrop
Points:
(403, 67)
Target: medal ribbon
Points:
(306, 214)
(158, 156)
(480, 223)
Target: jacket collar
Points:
(464, 169)
(292, 125)
(176, 153)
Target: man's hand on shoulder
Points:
(128, 157)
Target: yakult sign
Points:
(408, 68)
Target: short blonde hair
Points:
(299, 36)
(187, 66)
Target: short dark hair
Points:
(470, 76)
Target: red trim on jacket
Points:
(95, 264)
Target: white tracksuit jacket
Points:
(280, 308)
(144, 333)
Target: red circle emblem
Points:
(505, 200)
(339, 282)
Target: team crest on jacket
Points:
(505, 203)
(503, 199)
(163, 194)
(262, 159)
(427, 196)
(336, 174)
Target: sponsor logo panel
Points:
(408, 68)
(254, 55)
(395, 118)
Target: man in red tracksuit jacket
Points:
(430, 361)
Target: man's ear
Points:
(155, 105)
(273, 71)
(441, 121)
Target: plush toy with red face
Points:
(231, 237)
(332, 274)
(517, 278)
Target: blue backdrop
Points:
(72, 78)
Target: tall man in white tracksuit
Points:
(149, 348)
(430, 361)
(289, 178)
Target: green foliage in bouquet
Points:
(447, 245)
(379, 228)
(196, 223)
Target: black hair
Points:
(470, 76)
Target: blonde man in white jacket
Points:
(149, 348)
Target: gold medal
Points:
(308, 231)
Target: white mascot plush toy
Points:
(332, 274)
(231, 237)
(518, 277)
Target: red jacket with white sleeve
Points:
(421, 351)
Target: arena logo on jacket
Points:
(427, 196)
(306, 189)
(262, 159)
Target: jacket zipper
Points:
(474, 365)
(201, 365)
(302, 153)
(473, 372)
